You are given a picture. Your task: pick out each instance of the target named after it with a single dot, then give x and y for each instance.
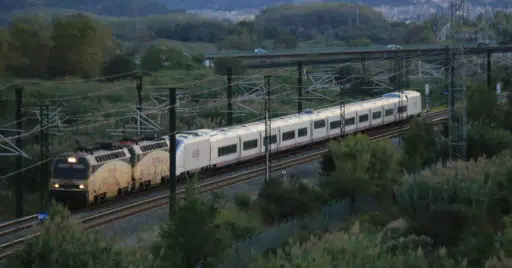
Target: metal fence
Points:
(328, 218)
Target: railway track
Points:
(14, 233)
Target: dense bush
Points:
(279, 200)
(62, 243)
(422, 145)
(193, 235)
(487, 140)
(459, 206)
(361, 167)
(354, 249)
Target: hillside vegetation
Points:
(130, 8)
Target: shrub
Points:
(342, 249)
(243, 201)
(62, 243)
(193, 235)
(279, 200)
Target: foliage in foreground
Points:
(355, 249)
(193, 235)
(459, 206)
(358, 166)
(62, 243)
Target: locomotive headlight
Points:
(56, 185)
(72, 159)
(81, 186)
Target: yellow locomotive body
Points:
(89, 177)
(152, 165)
(93, 175)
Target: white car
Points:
(260, 51)
(393, 47)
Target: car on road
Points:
(393, 47)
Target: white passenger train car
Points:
(110, 171)
(201, 149)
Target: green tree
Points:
(80, 45)
(279, 200)
(62, 243)
(481, 104)
(357, 249)
(164, 56)
(119, 64)
(192, 235)
(286, 41)
(222, 64)
(360, 42)
(485, 140)
(29, 45)
(237, 42)
(419, 34)
(422, 146)
(362, 167)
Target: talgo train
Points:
(116, 169)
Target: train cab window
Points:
(289, 135)
(388, 112)
(319, 124)
(226, 150)
(363, 118)
(302, 132)
(74, 171)
(376, 115)
(273, 140)
(402, 109)
(248, 145)
(335, 124)
(350, 121)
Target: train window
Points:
(402, 109)
(388, 112)
(302, 132)
(319, 124)
(376, 115)
(335, 124)
(363, 118)
(288, 135)
(350, 121)
(273, 139)
(226, 150)
(250, 144)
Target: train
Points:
(114, 169)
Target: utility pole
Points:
(268, 130)
(299, 86)
(229, 89)
(139, 103)
(457, 127)
(19, 157)
(44, 148)
(172, 151)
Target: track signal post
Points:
(172, 151)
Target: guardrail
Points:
(103, 218)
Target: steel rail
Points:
(158, 201)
